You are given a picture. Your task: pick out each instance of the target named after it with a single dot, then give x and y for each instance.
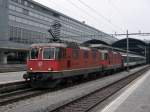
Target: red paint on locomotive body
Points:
(53, 61)
(42, 65)
(59, 60)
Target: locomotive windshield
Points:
(34, 53)
(49, 53)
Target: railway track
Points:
(19, 95)
(88, 102)
(9, 87)
(14, 92)
(9, 91)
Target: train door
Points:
(68, 57)
(110, 58)
(104, 58)
(86, 57)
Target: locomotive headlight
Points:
(31, 69)
(49, 69)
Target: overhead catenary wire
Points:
(118, 12)
(99, 14)
(76, 6)
(66, 8)
(85, 11)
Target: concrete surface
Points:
(136, 98)
(48, 101)
(11, 77)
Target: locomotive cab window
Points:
(60, 53)
(34, 52)
(49, 53)
(104, 56)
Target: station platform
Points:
(11, 77)
(12, 67)
(135, 98)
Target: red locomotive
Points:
(52, 62)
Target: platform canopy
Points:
(135, 45)
(95, 41)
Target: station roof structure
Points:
(135, 45)
(95, 41)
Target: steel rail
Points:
(88, 102)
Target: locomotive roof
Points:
(84, 48)
(65, 45)
(49, 45)
(103, 51)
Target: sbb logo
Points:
(40, 64)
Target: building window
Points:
(19, 1)
(12, 18)
(21, 35)
(31, 5)
(14, 0)
(25, 3)
(26, 12)
(18, 9)
(12, 7)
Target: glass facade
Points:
(24, 14)
(26, 36)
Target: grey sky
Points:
(109, 16)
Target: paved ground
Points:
(11, 77)
(136, 98)
(12, 68)
(47, 101)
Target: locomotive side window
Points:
(94, 54)
(34, 53)
(75, 53)
(86, 54)
(104, 56)
(100, 57)
(48, 53)
(125, 59)
(64, 53)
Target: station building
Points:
(24, 22)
